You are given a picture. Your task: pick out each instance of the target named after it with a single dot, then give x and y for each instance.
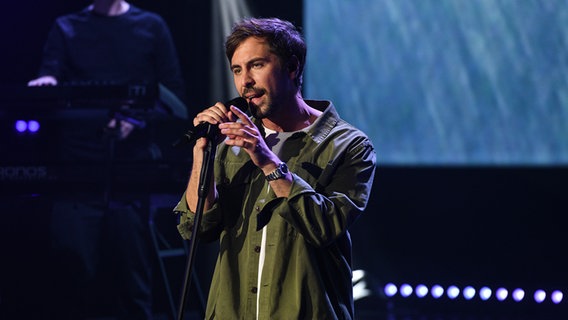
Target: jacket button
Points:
(254, 290)
(257, 249)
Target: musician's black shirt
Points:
(85, 48)
(134, 47)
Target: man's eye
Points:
(257, 65)
(236, 71)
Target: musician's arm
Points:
(54, 59)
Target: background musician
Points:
(100, 238)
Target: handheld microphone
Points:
(206, 129)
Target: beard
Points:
(259, 111)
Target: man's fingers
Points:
(241, 115)
(234, 129)
(214, 115)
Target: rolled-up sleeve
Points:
(210, 220)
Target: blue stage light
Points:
(390, 290)
(468, 293)
(405, 290)
(485, 293)
(437, 291)
(518, 295)
(453, 292)
(539, 296)
(421, 291)
(557, 296)
(21, 126)
(33, 126)
(502, 294)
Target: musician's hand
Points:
(245, 134)
(43, 81)
(215, 114)
(124, 130)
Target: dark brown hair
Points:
(284, 39)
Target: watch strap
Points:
(278, 173)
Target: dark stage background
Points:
(435, 216)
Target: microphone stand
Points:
(203, 191)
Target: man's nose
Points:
(247, 79)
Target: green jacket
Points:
(307, 268)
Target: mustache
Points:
(251, 92)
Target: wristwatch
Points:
(279, 173)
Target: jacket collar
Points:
(323, 124)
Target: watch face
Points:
(279, 173)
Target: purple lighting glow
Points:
(502, 294)
(405, 290)
(390, 289)
(421, 291)
(437, 291)
(21, 126)
(453, 292)
(33, 126)
(518, 295)
(485, 293)
(539, 296)
(468, 293)
(557, 296)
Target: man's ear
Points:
(293, 65)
